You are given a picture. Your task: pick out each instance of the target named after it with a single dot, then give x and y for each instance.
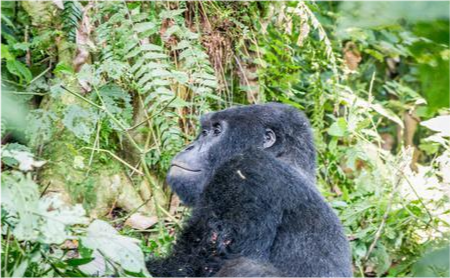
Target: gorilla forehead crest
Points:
(291, 127)
(275, 115)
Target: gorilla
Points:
(250, 180)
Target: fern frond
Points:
(139, 60)
(71, 17)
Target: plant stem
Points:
(8, 239)
(83, 98)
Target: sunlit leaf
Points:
(338, 128)
(121, 249)
(440, 124)
(17, 68)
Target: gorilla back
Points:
(250, 180)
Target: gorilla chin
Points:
(185, 182)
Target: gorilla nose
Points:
(188, 148)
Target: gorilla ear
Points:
(269, 138)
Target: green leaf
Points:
(71, 15)
(387, 113)
(80, 121)
(20, 270)
(182, 45)
(54, 221)
(117, 102)
(180, 76)
(142, 27)
(433, 264)
(174, 29)
(171, 13)
(62, 67)
(17, 68)
(123, 250)
(78, 262)
(20, 197)
(6, 54)
(338, 128)
(160, 73)
(13, 110)
(434, 83)
(24, 159)
(178, 103)
(155, 55)
(151, 47)
(37, 220)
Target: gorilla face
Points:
(191, 168)
(219, 140)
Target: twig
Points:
(170, 216)
(420, 199)
(154, 188)
(152, 116)
(383, 222)
(119, 123)
(8, 240)
(28, 54)
(24, 93)
(40, 74)
(45, 189)
(96, 145)
(131, 212)
(386, 213)
(116, 157)
(85, 99)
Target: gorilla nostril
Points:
(189, 148)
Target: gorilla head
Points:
(227, 133)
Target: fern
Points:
(195, 70)
(80, 121)
(71, 16)
(40, 126)
(139, 61)
(118, 103)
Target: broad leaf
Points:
(122, 250)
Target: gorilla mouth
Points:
(184, 168)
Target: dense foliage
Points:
(98, 96)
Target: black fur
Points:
(256, 211)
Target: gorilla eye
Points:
(204, 132)
(217, 129)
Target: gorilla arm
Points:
(190, 254)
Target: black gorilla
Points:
(250, 179)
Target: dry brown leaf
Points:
(141, 222)
(352, 56)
